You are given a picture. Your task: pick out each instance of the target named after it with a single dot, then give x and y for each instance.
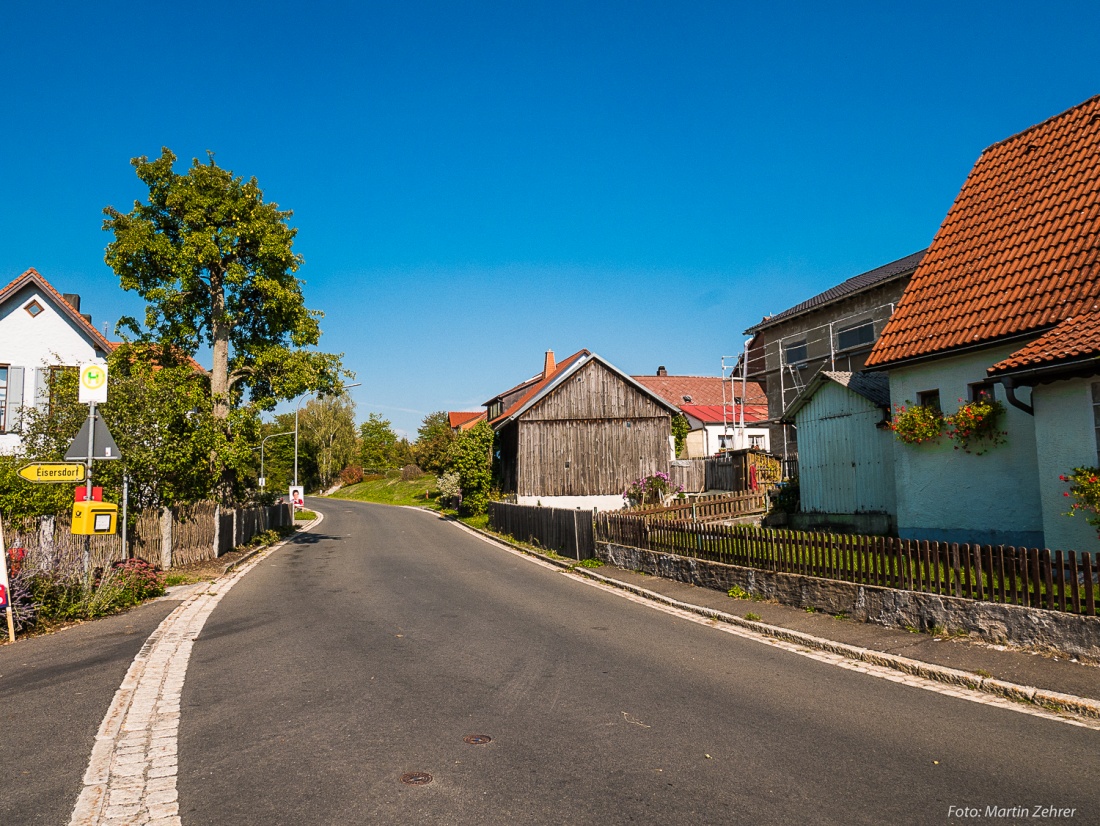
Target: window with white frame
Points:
(3, 398)
(756, 441)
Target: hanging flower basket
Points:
(916, 424)
(975, 426)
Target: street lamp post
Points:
(264, 442)
(298, 407)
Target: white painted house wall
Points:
(29, 346)
(1065, 436)
(948, 495)
(706, 439)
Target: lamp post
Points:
(262, 443)
(298, 407)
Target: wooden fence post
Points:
(166, 520)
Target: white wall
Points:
(35, 344)
(953, 496)
(1065, 436)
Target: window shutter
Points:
(13, 416)
(42, 388)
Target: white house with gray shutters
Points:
(40, 330)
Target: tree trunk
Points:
(219, 372)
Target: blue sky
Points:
(474, 183)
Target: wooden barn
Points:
(579, 433)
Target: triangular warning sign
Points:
(103, 446)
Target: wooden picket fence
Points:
(48, 542)
(1031, 577)
(716, 508)
(568, 532)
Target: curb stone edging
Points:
(1067, 703)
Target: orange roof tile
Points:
(1077, 338)
(700, 389)
(465, 419)
(1019, 249)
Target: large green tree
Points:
(433, 439)
(327, 430)
(216, 266)
(378, 445)
(160, 415)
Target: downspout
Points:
(1010, 394)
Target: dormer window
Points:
(34, 308)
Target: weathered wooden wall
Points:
(593, 435)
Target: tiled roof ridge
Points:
(1040, 125)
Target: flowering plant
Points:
(916, 423)
(975, 425)
(651, 490)
(1085, 488)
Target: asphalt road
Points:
(370, 649)
(54, 691)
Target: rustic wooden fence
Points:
(180, 536)
(688, 474)
(1036, 578)
(567, 532)
(719, 508)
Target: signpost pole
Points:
(6, 583)
(125, 507)
(88, 488)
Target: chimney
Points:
(549, 365)
(661, 371)
(73, 300)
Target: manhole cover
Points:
(477, 739)
(416, 778)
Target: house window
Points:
(3, 398)
(756, 441)
(855, 336)
(34, 308)
(980, 388)
(795, 353)
(930, 398)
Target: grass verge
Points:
(391, 489)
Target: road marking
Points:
(131, 776)
(839, 660)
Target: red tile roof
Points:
(1019, 249)
(32, 276)
(464, 420)
(702, 390)
(712, 413)
(1075, 339)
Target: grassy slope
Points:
(390, 490)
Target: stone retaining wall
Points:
(1056, 631)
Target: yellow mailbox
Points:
(94, 518)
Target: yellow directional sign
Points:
(53, 472)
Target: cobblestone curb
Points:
(1051, 700)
